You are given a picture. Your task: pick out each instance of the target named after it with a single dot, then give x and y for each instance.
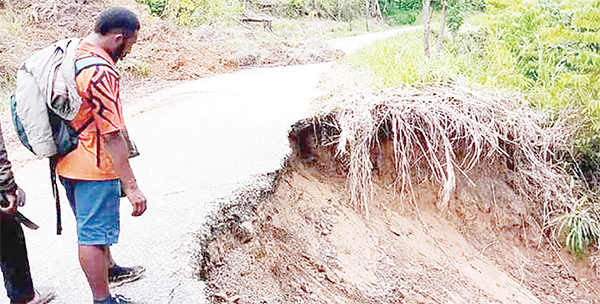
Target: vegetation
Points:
(197, 12)
(446, 130)
(404, 12)
(580, 228)
(194, 13)
(548, 50)
(545, 49)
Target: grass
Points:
(445, 130)
(400, 62)
(11, 49)
(580, 227)
(529, 50)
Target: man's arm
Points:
(116, 146)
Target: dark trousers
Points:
(14, 262)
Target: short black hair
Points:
(117, 18)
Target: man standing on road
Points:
(13, 252)
(95, 172)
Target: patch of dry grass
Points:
(446, 130)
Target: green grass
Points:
(527, 47)
(579, 228)
(546, 50)
(400, 62)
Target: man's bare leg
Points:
(94, 261)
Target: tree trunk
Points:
(426, 19)
(367, 2)
(377, 10)
(440, 38)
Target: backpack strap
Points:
(53, 161)
(80, 65)
(86, 62)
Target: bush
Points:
(341, 10)
(194, 13)
(157, 8)
(459, 10)
(396, 16)
(547, 50)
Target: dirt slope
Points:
(301, 239)
(307, 245)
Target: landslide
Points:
(442, 195)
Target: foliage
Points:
(579, 228)
(197, 12)
(401, 62)
(401, 12)
(398, 16)
(459, 10)
(341, 10)
(157, 8)
(194, 13)
(546, 49)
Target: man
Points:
(98, 169)
(13, 252)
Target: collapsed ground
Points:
(300, 235)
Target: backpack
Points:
(46, 100)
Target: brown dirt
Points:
(172, 52)
(298, 239)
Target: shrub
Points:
(194, 13)
(547, 50)
(157, 8)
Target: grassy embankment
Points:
(545, 50)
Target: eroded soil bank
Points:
(300, 238)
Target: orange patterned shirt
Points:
(101, 110)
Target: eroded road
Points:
(198, 141)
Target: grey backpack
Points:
(46, 100)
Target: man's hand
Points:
(137, 200)
(116, 146)
(11, 197)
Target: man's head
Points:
(119, 29)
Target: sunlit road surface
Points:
(198, 142)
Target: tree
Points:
(426, 19)
(440, 38)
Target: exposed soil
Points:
(299, 238)
(164, 50)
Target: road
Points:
(198, 142)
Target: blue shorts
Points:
(96, 208)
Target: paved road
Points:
(198, 141)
